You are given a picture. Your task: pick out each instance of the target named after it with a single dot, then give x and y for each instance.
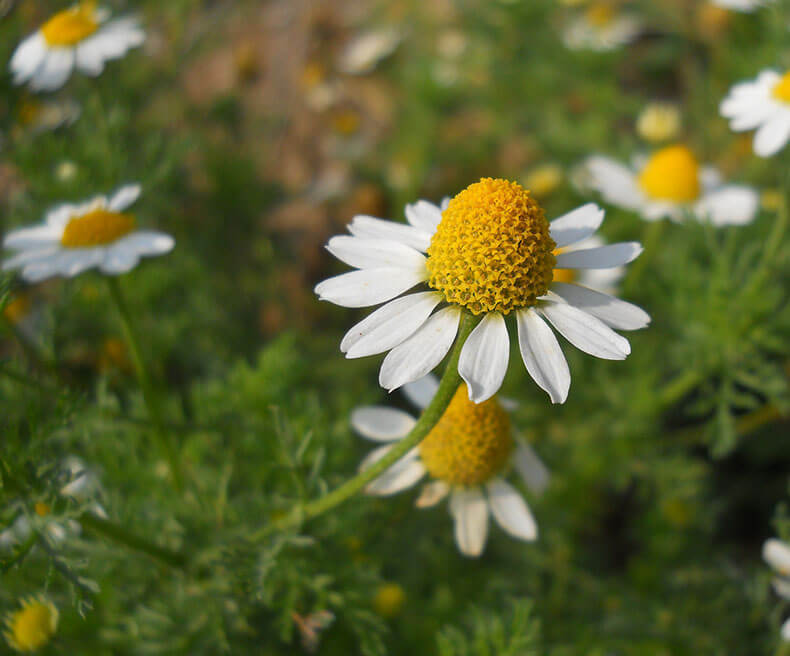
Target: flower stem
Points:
(149, 392)
(430, 416)
(122, 536)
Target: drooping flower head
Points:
(32, 626)
(79, 37)
(762, 104)
(491, 253)
(671, 183)
(98, 233)
(467, 455)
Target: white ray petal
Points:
(729, 205)
(542, 355)
(484, 357)
(612, 311)
(381, 424)
(432, 493)
(576, 225)
(421, 391)
(470, 512)
(370, 227)
(585, 332)
(362, 253)
(531, 468)
(368, 286)
(424, 215)
(510, 510)
(603, 257)
(124, 197)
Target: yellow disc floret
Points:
(492, 250)
(96, 228)
(70, 26)
(600, 14)
(31, 627)
(782, 89)
(671, 174)
(470, 443)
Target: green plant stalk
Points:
(429, 418)
(149, 393)
(119, 534)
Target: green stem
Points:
(149, 393)
(119, 534)
(430, 416)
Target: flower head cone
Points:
(80, 37)
(489, 252)
(763, 105)
(98, 233)
(671, 183)
(467, 456)
(32, 626)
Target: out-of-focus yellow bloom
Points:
(42, 509)
(33, 626)
(543, 180)
(389, 600)
(659, 122)
(772, 199)
(18, 308)
(712, 21)
(113, 355)
(345, 122)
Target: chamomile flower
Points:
(73, 238)
(777, 554)
(601, 27)
(745, 6)
(366, 50)
(491, 253)
(80, 37)
(467, 454)
(659, 121)
(671, 183)
(762, 104)
(32, 626)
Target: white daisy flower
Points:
(467, 454)
(741, 5)
(671, 183)
(491, 253)
(366, 50)
(777, 554)
(600, 27)
(79, 37)
(74, 238)
(762, 104)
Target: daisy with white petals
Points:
(777, 554)
(745, 6)
(762, 104)
(80, 37)
(601, 27)
(490, 253)
(671, 183)
(467, 454)
(98, 233)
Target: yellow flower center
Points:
(18, 309)
(671, 174)
(600, 15)
(470, 443)
(42, 509)
(33, 626)
(70, 26)
(492, 250)
(782, 89)
(563, 275)
(96, 228)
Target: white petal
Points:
(615, 182)
(39, 236)
(419, 354)
(147, 242)
(585, 332)
(773, 135)
(730, 205)
(777, 554)
(576, 225)
(432, 493)
(362, 253)
(531, 468)
(119, 260)
(27, 257)
(54, 70)
(382, 424)
(786, 630)
(89, 58)
(368, 286)
(421, 391)
(370, 227)
(612, 311)
(470, 512)
(542, 355)
(390, 325)
(603, 257)
(60, 215)
(124, 197)
(402, 475)
(510, 511)
(27, 58)
(424, 215)
(484, 357)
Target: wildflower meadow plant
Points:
(180, 469)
